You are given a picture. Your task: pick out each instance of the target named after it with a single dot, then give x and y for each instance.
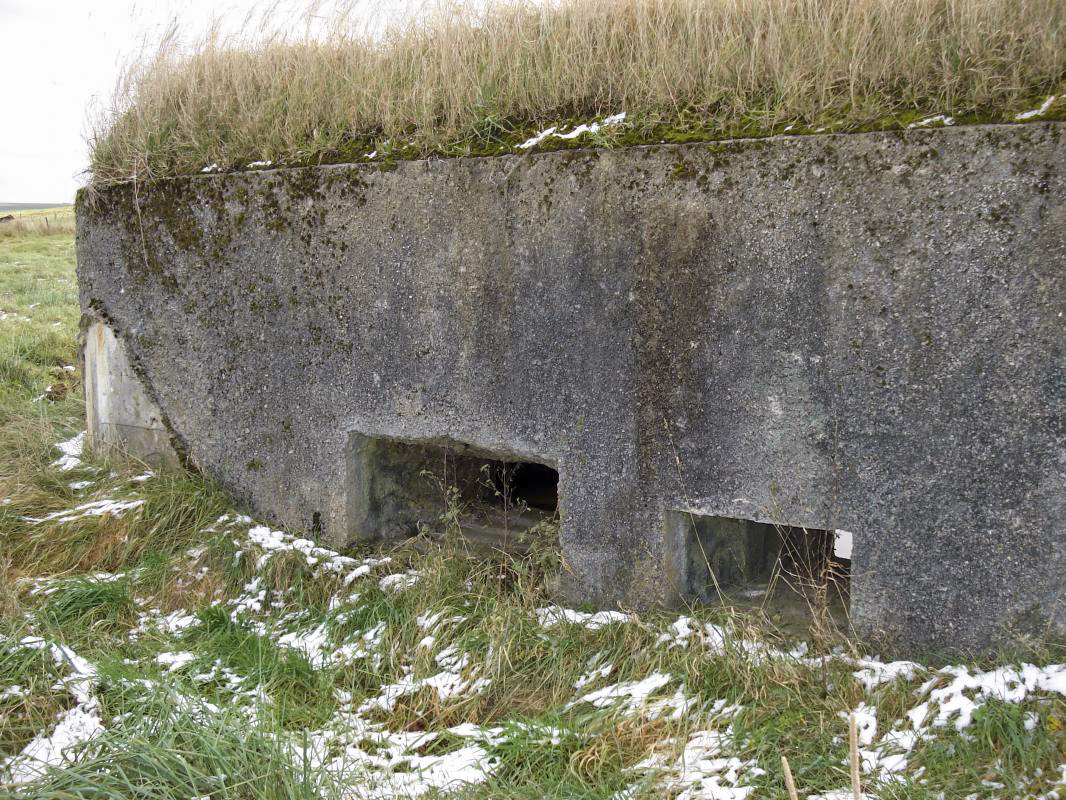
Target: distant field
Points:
(7, 208)
(37, 220)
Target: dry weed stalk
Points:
(790, 784)
(853, 747)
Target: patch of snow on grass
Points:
(399, 581)
(175, 661)
(704, 770)
(951, 696)
(594, 673)
(1036, 112)
(394, 770)
(551, 616)
(585, 127)
(76, 725)
(368, 645)
(315, 644)
(940, 119)
(629, 695)
(169, 624)
(874, 673)
(953, 700)
(322, 560)
(537, 139)
(72, 450)
(96, 508)
(450, 682)
(865, 723)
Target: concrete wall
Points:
(120, 416)
(860, 332)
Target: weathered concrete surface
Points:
(119, 415)
(861, 332)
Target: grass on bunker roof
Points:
(481, 78)
(156, 644)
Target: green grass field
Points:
(156, 644)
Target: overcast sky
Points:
(59, 56)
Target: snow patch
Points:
(75, 727)
(704, 770)
(72, 450)
(399, 581)
(585, 127)
(551, 616)
(96, 508)
(1036, 112)
(175, 661)
(940, 119)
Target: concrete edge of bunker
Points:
(853, 331)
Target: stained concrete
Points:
(121, 418)
(856, 332)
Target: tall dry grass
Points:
(441, 75)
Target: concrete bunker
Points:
(783, 331)
(399, 489)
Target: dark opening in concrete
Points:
(527, 484)
(788, 570)
(398, 489)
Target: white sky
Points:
(59, 56)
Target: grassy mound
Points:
(462, 80)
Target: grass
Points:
(461, 79)
(203, 688)
(46, 221)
